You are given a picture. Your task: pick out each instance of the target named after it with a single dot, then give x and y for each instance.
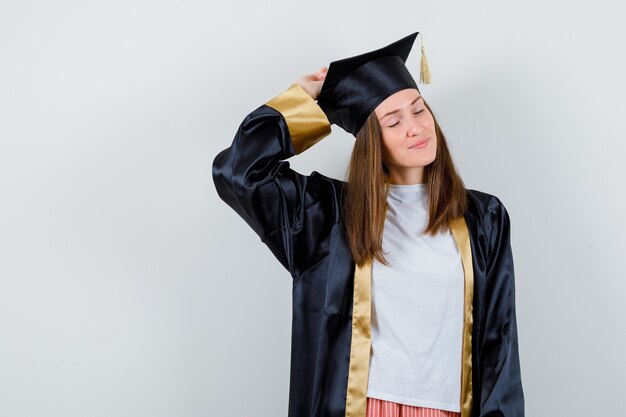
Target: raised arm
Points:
(289, 211)
(502, 393)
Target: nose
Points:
(414, 128)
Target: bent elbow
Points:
(222, 174)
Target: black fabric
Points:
(298, 218)
(354, 86)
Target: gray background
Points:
(128, 288)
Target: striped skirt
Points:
(382, 408)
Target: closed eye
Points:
(396, 123)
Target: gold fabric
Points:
(360, 349)
(356, 398)
(306, 121)
(461, 235)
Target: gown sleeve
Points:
(502, 393)
(287, 210)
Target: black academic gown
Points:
(298, 218)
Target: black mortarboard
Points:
(354, 86)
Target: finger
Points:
(320, 75)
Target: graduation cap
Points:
(354, 86)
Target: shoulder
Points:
(487, 215)
(330, 184)
(326, 193)
(483, 203)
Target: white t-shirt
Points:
(417, 309)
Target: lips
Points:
(418, 143)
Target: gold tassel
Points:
(425, 77)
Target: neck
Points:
(407, 176)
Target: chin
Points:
(423, 161)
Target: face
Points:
(409, 138)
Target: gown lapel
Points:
(461, 236)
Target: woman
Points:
(403, 281)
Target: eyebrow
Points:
(397, 110)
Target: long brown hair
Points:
(364, 202)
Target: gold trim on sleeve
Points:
(305, 119)
(356, 394)
(461, 235)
